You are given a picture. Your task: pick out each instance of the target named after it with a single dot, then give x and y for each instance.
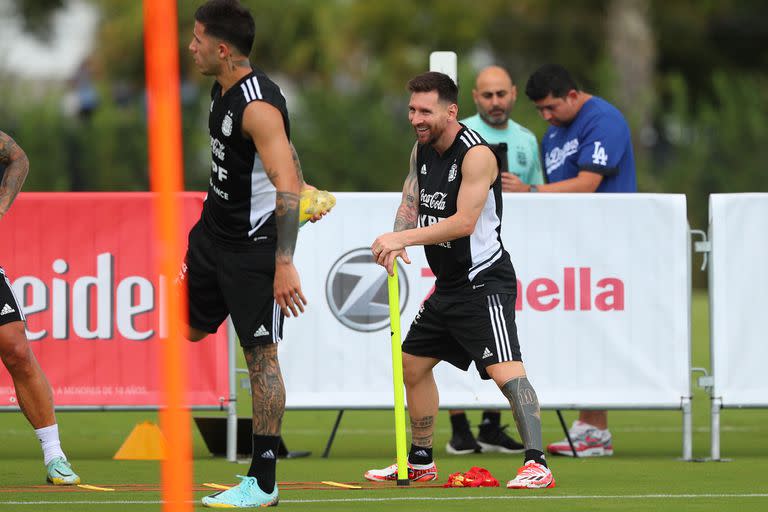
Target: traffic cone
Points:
(145, 442)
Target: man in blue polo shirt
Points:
(587, 148)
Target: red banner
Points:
(84, 271)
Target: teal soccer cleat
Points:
(60, 472)
(246, 494)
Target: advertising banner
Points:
(602, 306)
(83, 268)
(739, 297)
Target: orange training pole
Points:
(165, 165)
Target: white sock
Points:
(49, 441)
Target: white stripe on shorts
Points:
(499, 325)
(276, 318)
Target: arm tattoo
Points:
(296, 162)
(17, 167)
(408, 211)
(267, 389)
(287, 219)
(421, 431)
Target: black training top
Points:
(241, 199)
(475, 265)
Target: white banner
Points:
(738, 293)
(602, 310)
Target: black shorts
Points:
(9, 306)
(480, 330)
(234, 280)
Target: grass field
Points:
(645, 473)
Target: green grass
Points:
(645, 473)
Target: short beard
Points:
(493, 121)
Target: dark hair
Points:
(229, 21)
(549, 79)
(434, 81)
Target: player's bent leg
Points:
(534, 474)
(35, 399)
(421, 392)
(33, 391)
(259, 487)
(195, 334)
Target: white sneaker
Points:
(588, 441)
(416, 473)
(532, 476)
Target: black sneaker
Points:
(493, 438)
(462, 443)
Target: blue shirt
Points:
(522, 147)
(597, 140)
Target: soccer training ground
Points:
(644, 474)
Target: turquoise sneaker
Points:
(246, 494)
(60, 472)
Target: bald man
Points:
(495, 95)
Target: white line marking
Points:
(511, 496)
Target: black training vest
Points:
(241, 199)
(475, 265)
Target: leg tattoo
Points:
(421, 431)
(267, 389)
(525, 408)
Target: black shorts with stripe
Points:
(479, 329)
(232, 279)
(10, 311)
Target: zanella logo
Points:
(91, 307)
(575, 291)
(572, 293)
(356, 291)
(436, 200)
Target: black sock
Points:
(491, 418)
(536, 456)
(459, 423)
(420, 455)
(263, 461)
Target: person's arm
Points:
(537, 174)
(585, 181)
(408, 212)
(478, 171)
(16, 170)
(264, 124)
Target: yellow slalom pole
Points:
(397, 377)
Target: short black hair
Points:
(549, 79)
(433, 81)
(229, 21)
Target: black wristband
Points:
(533, 188)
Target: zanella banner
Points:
(602, 305)
(83, 268)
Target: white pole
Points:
(232, 405)
(445, 62)
(687, 430)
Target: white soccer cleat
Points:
(532, 476)
(416, 473)
(588, 441)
